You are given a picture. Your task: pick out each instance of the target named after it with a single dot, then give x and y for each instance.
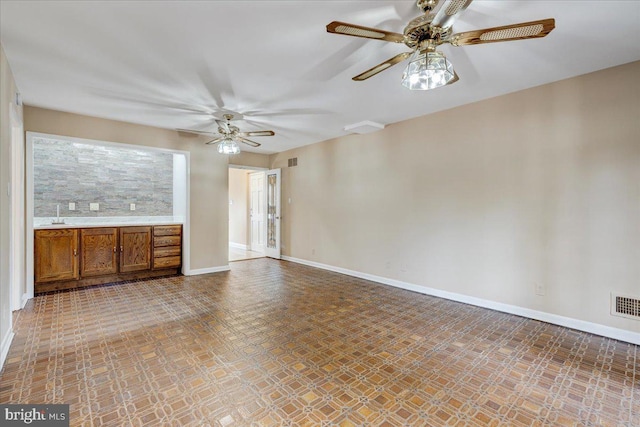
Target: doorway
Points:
(247, 214)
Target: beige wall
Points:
(8, 91)
(258, 161)
(239, 194)
(208, 173)
(486, 200)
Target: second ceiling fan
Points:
(428, 68)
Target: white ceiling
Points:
(171, 64)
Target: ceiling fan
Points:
(229, 135)
(428, 68)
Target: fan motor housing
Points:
(419, 30)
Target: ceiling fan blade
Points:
(382, 66)
(248, 141)
(366, 32)
(524, 30)
(197, 132)
(449, 12)
(215, 141)
(257, 133)
(286, 112)
(152, 101)
(216, 83)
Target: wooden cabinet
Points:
(56, 255)
(167, 246)
(98, 248)
(70, 258)
(135, 249)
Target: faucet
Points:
(58, 220)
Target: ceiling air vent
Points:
(293, 162)
(625, 306)
(364, 127)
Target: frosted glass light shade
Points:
(228, 146)
(427, 70)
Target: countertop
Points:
(96, 222)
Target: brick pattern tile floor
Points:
(277, 343)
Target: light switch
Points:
(72, 206)
(132, 206)
(94, 206)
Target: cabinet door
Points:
(98, 248)
(135, 249)
(56, 255)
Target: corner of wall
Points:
(8, 91)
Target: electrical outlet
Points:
(94, 206)
(540, 289)
(132, 206)
(72, 206)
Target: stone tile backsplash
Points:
(113, 177)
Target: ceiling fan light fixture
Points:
(427, 70)
(228, 146)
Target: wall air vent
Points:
(625, 306)
(293, 162)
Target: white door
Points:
(273, 214)
(257, 213)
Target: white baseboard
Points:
(4, 347)
(208, 270)
(581, 325)
(238, 246)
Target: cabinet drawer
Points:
(166, 241)
(167, 230)
(166, 262)
(166, 251)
